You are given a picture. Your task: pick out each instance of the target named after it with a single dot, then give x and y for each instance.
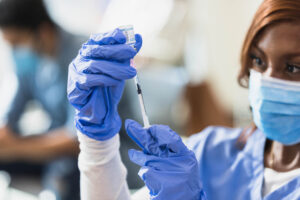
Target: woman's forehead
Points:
(284, 36)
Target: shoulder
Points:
(214, 137)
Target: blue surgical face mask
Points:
(275, 106)
(26, 60)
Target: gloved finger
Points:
(140, 158)
(96, 80)
(79, 91)
(152, 179)
(167, 140)
(138, 42)
(137, 157)
(138, 134)
(158, 140)
(113, 37)
(86, 81)
(116, 70)
(162, 164)
(119, 52)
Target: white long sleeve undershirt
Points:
(102, 173)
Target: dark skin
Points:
(276, 53)
(43, 147)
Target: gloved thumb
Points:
(138, 157)
(129, 124)
(137, 133)
(138, 42)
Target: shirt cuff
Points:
(101, 152)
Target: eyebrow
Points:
(258, 49)
(289, 55)
(293, 55)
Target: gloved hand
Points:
(96, 82)
(168, 168)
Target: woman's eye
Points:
(256, 61)
(293, 68)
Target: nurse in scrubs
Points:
(258, 162)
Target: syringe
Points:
(130, 39)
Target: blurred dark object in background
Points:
(204, 109)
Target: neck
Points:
(51, 44)
(283, 158)
(48, 39)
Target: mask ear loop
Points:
(248, 131)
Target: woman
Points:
(219, 163)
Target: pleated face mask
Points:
(275, 107)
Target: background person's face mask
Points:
(276, 107)
(26, 60)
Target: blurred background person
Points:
(41, 51)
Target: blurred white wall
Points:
(78, 16)
(225, 24)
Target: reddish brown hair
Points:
(269, 13)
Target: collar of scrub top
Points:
(254, 151)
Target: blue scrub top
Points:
(228, 172)
(47, 85)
